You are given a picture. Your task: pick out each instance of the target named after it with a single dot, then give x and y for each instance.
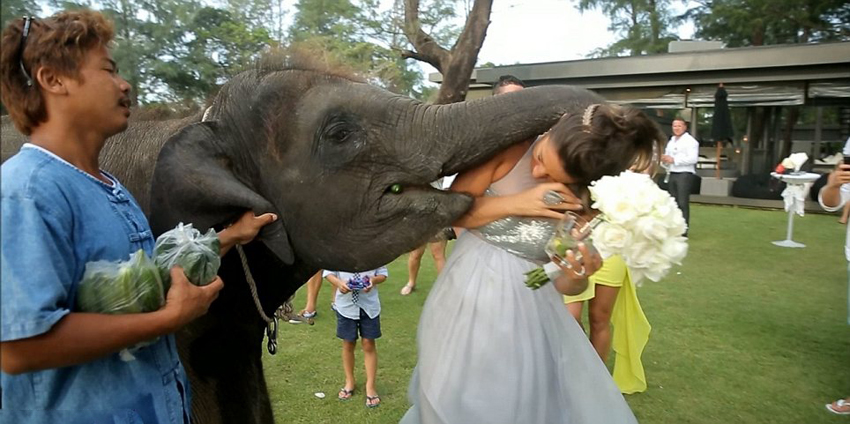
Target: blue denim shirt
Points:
(55, 219)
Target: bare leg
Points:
(314, 284)
(600, 319)
(370, 360)
(438, 251)
(348, 363)
(414, 260)
(845, 214)
(575, 309)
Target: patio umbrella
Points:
(721, 123)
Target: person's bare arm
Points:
(830, 194)
(83, 337)
(340, 285)
(243, 230)
(486, 209)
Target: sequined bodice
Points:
(525, 237)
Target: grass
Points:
(743, 332)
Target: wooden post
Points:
(748, 146)
(717, 161)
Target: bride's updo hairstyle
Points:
(606, 140)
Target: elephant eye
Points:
(339, 133)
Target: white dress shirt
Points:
(349, 305)
(685, 153)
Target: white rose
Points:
(620, 211)
(643, 203)
(656, 273)
(636, 275)
(677, 226)
(639, 254)
(675, 248)
(610, 238)
(651, 228)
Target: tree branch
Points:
(476, 25)
(427, 49)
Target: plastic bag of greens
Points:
(196, 253)
(124, 287)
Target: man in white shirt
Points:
(680, 158)
(832, 197)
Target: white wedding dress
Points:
(493, 351)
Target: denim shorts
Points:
(346, 328)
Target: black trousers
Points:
(679, 187)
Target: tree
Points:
(762, 22)
(359, 35)
(218, 46)
(644, 25)
(12, 9)
(455, 64)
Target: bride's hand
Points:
(576, 269)
(539, 201)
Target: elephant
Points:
(344, 164)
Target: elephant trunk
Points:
(468, 133)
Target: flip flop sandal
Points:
(370, 401)
(407, 289)
(345, 394)
(841, 403)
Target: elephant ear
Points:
(194, 182)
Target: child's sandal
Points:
(345, 394)
(373, 401)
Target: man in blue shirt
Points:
(59, 212)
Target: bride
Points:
(492, 350)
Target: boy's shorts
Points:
(346, 328)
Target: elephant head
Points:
(345, 165)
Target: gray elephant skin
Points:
(322, 150)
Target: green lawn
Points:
(744, 332)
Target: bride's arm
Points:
(487, 209)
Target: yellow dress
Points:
(631, 328)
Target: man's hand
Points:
(244, 229)
(840, 176)
(667, 159)
(185, 301)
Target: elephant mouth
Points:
(423, 202)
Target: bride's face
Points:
(545, 162)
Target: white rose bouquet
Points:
(637, 220)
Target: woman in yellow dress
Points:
(612, 299)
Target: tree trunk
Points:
(456, 64)
(634, 31)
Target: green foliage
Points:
(643, 24)
(177, 53)
(764, 22)
(11, 9)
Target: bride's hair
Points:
(606, 140)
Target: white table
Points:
(793, 179)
